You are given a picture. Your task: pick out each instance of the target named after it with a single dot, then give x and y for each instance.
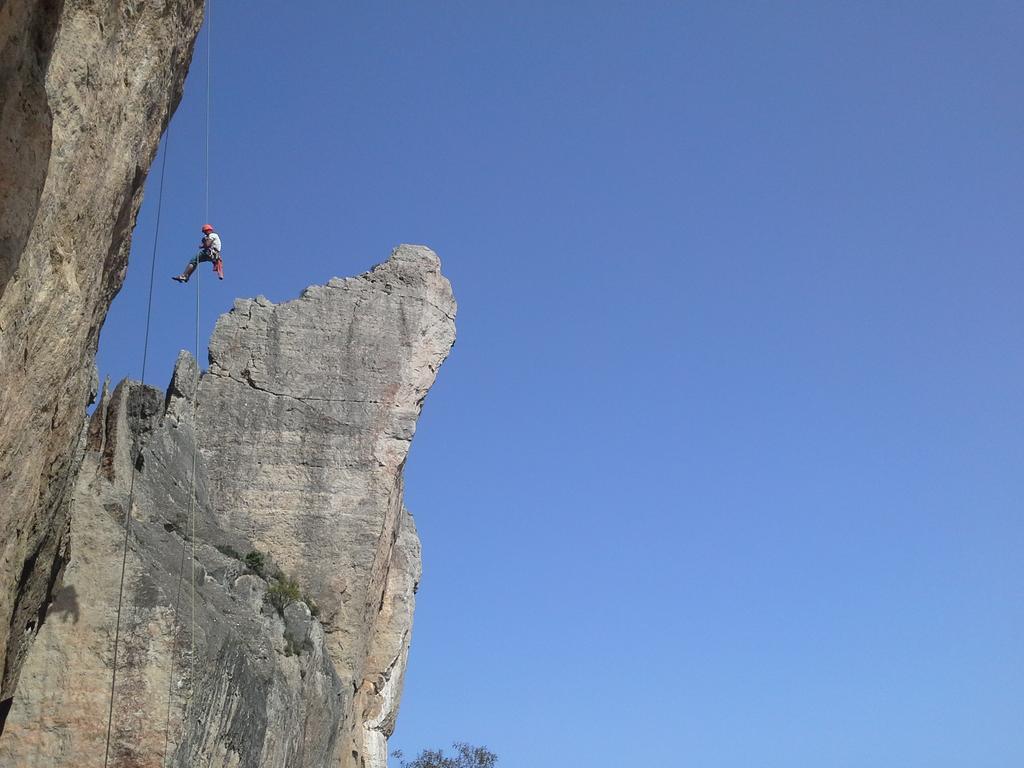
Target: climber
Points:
(209, 250)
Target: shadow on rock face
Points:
(65, 605)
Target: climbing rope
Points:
(192, 480)
(209, 91)
(195, 425)
(195, 400)
(181, 565)
(131, 482)
(192, 496)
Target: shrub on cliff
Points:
(256, 561)
(283, 591)
(466, 756)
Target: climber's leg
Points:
(203, 255)
(184, 276)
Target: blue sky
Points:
(725, 468)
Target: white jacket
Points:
(212, 241)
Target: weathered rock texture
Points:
(86, 89)
(303, 423)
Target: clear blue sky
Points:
(725, 470)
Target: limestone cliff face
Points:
(303, 422)
(85, 90)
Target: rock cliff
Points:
(86, 89)
(299, 430)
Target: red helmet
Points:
(207, 227)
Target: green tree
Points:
(465, 756)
